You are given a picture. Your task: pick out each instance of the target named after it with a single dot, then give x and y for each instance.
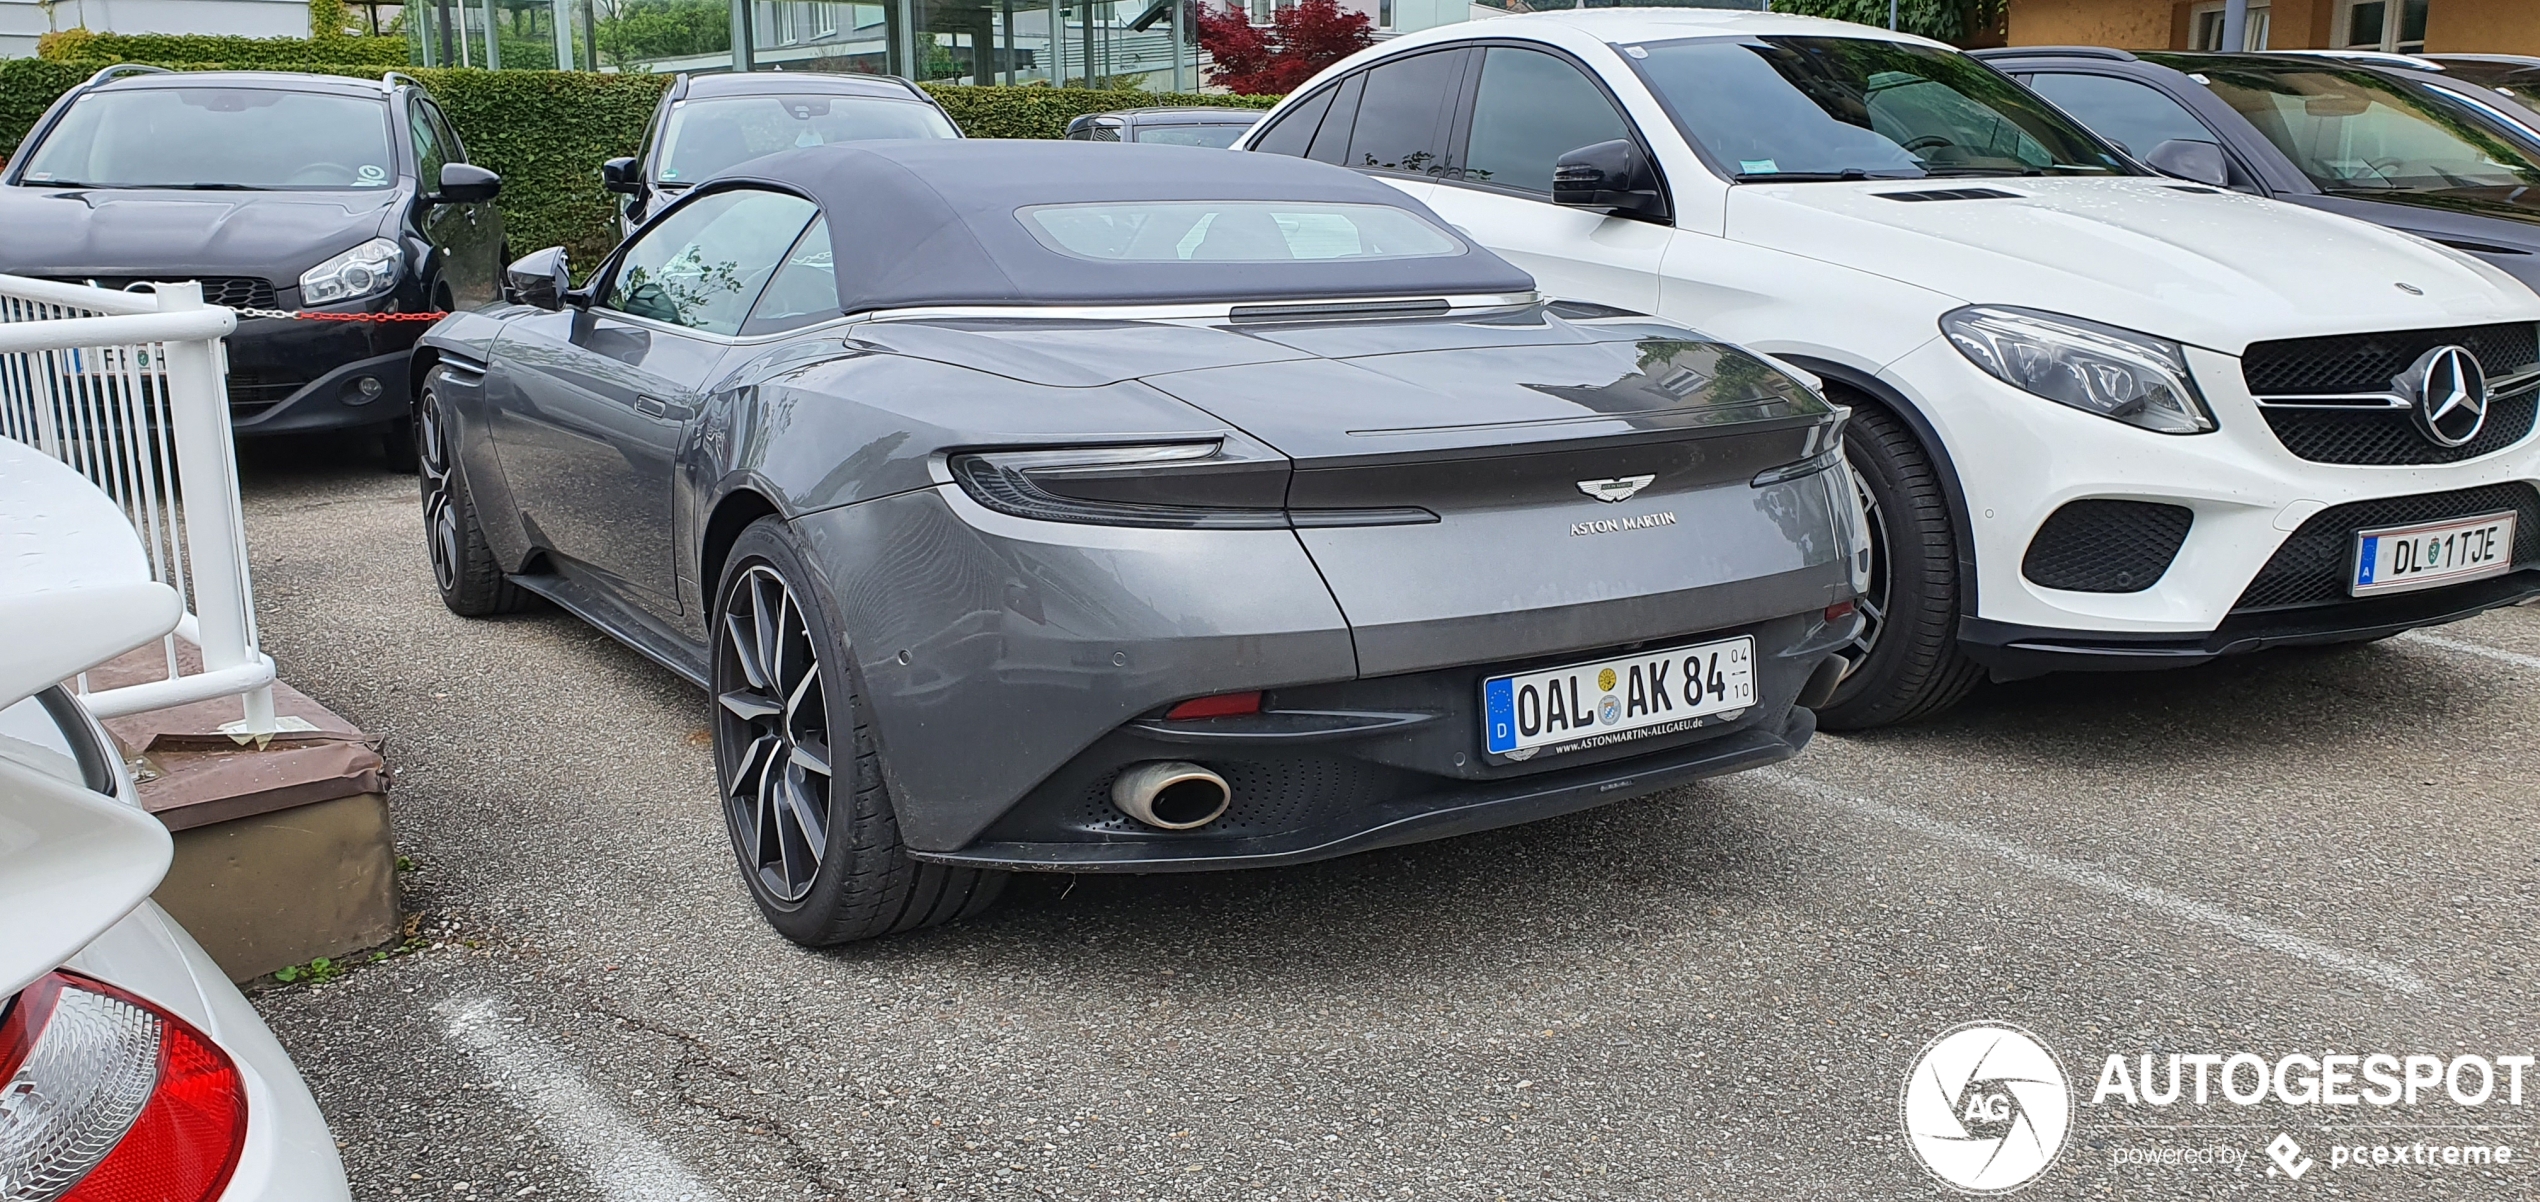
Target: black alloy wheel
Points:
(812, 824)
(464, 570)
(776, 715)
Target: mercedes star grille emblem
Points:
(2450, 390)
(1620, 489)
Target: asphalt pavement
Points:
(1717, 992)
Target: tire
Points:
(782, 689)
(397, 448)
(1907, 665)
(471, 583)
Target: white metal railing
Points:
(128, 389)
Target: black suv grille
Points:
(2106, 546)
(254, 390)
(233, 291)
(2389, 437)
(2310, 568)
(2366, 362)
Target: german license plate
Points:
(2395, 559)
(1616, 700)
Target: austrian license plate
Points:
(1616, 700)
(2395, 559)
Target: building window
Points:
(2206, 30)
(1384, 14)
(824, 20)
(2395, 26)
(783, 24)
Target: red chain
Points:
(370, 316)
(288, 314)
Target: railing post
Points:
(207, 474)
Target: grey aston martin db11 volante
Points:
(1122, 508)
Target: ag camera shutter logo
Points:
(1986, 1107)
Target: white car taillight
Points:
(105, 1097)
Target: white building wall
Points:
(23, 21)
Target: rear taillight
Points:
(107, 1098)
(1174, 486)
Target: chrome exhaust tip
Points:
(1172, 795)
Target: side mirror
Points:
(2188, 159)
(1614, 176)
(467, 183)
(541, 278)
(622, 175)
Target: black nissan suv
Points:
(280, 192)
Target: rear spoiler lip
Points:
(73, 863)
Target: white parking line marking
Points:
(621, 1162)
(2245, 929)
(2499, 654)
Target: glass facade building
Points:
(1098, 43)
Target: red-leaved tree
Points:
(1302, 38)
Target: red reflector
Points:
(1839, 611)
(1223, 705)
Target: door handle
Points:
(657, 407)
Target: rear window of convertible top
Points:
(1235, 231)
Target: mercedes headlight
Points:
(366, 270)
(2134, 378)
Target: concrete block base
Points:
(272, 890)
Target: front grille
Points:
(254, 390)
(2389, 437)
(2310, 568)
(2106, 546)
(235, 292)
(2343, 363)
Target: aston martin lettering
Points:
(1617, 525)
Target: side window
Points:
(1294, 131)
(805, 290)
(1401, 121)
(2135, 115)
(450, 143)
(430, 152)
(1531, 109)
(1331, 142)
(704, 264)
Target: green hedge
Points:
(546, 132)
(1040, 112)
(83, 46)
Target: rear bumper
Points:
(2014, 652)
(1333, 769)
(1460, 809)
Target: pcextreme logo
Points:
(1986, 1107)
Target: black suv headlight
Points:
(364, 271)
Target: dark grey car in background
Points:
(1135, 509)
(277, 191)
(707, 123)
(2394, 146)
(1216, 129)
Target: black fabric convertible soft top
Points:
(935, 223)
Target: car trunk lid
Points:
(1588, 493)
